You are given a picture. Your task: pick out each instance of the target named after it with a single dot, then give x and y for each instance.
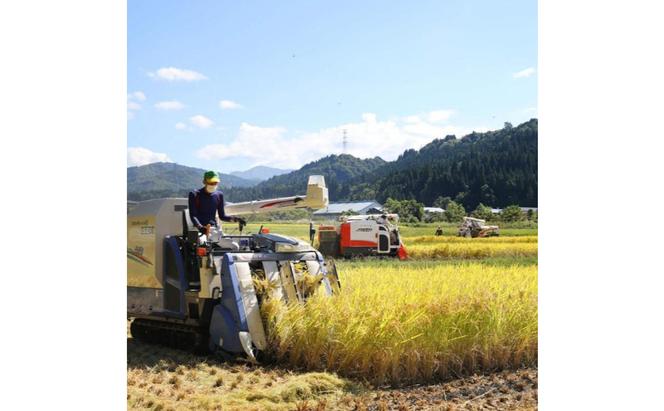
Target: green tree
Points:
(434, 217)
(442, 202)
(454, 212)
(460, 198)
(392, 206)
(482, 212)
(487, 195)
(511, 213)
(406, 209)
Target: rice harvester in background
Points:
(362, 235)
(192, 290)
(474, 227)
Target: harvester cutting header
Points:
(195, 288)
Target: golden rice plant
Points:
(470, 250)
(404, 326)
(430, 239)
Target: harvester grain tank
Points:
(362, 235)
(196, 291)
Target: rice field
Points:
(301, 229)
(471, 250)
(463, 240)
(448, 247)
(458, 319)
(400, 325)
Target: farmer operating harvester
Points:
(205, 202)
(191, 286)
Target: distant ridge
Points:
(337, 169)
(260, 173)
(171, 180)
(496, 168)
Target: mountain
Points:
(171, 180)
(338, 170)
(496, 168)
(260, 173)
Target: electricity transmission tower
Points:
(344, 143)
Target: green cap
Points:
(210, 177)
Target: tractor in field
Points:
(362, 235)
(475, 227)
(193, 290)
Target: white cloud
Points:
(169, 105)
(524, 73)
(201, 121)
(132, 105)
(368, 138)
(181, 126)
(136, 95)
(139, 156)
(439, 116)
(229, 105)
(250, 140)
(176, 74)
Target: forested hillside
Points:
(171, 180)
(338, 170)
(496, 168)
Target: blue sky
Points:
(229, 85)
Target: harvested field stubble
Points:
(430, 323)
(167, 379)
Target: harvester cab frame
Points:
(196, 291)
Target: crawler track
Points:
(172, 335)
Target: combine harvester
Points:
(474, 227)
(362, 235)
(189, 290)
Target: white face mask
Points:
(210, 188)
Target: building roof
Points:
(433, 210)
(525, 209)
(338, 208)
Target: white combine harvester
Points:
(475, 227)
(362, 235)
(196, 291)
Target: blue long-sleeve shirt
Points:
(203, 206)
